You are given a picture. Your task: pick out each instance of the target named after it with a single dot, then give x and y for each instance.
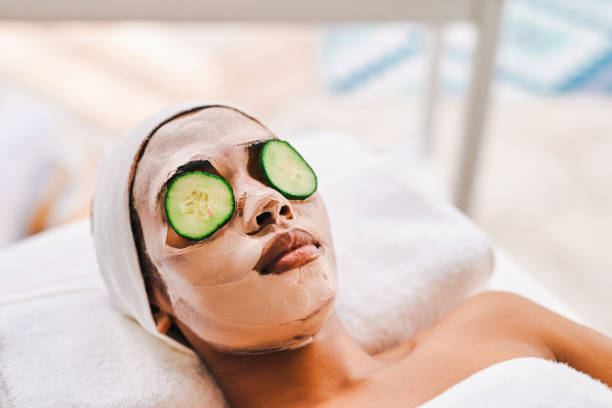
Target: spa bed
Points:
(63, 344)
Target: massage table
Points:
(63, 344)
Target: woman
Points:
(235, 251)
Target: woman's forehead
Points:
(201, 133)
(213, 125)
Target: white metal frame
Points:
(484, 14)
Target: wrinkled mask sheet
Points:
(218, 286)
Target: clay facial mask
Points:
(233, 223)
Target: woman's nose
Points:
(262, 207)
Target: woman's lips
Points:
(288, 250)
(293, 259)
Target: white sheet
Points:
(526, 383)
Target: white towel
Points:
(404, 256)
(526, 383)
(72, 349)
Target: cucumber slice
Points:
(285, 170)
(198, 204)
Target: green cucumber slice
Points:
(198, 204)
(285, 170)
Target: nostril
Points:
(264, 218)
(286, 211)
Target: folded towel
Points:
(526, 383)
(404, 258)
(72, 349)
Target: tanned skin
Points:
(334, 371)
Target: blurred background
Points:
(543, 189)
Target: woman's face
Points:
(266, 280)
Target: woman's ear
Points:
(162, 311)
(163, 321)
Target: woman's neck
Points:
(316, 372)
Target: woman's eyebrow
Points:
(255, 143)
(200, 164)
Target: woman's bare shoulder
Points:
(495, 317)
(563, 339)
(501, 310)
(489, 317)
(484, 330)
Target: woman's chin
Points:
(271, 338)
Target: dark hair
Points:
(152, 278)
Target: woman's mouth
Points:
(287, 250)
